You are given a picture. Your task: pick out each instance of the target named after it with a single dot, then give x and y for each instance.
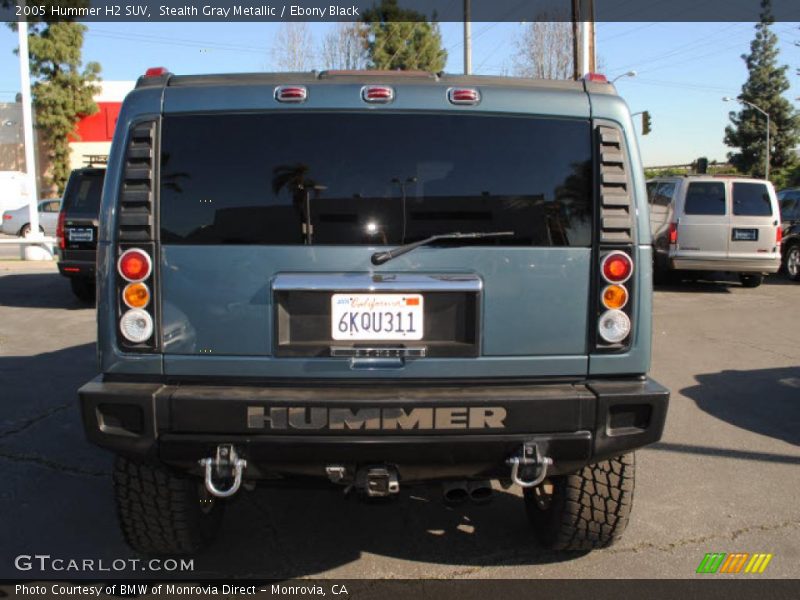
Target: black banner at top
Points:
(408, 10)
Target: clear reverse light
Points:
(136, 325)
(614, 326)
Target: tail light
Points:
(614, 321)
(617, 267)
(7, 217)
(778, 235)
(136, 318)
(377, 94)
(135, 265)
(673, 233)
(62, 243)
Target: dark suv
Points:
(77, 230)
(789, 201)
(373, 280)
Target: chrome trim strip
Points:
(379, 352)
(377, 282)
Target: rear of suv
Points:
(77, 230)
(373, 280)
(708, 223)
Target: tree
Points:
(293, 49)
(764, 87)
(63, 90)
(402, 39)
(345, 47)
(544, 50)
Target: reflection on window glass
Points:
(751, 200)
(705, 198)
(374, 179)
(83, 192)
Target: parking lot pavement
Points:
(723, 479)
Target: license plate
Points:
(80, 235)
(377, 316)
(745, 235)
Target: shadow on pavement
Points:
(764, 401)
(38, 290)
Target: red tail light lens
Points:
(778, 235)
(291, 93)
(156, 72)
(134, 265)
(62, 243)
(673, 233)
(377, 94)
(617, 267)
(463, 96)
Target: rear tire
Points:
(585, 510)
(161, 513)
(791, 262)
(751, 280)
(84, 289)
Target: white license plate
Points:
(377, 316)
(80, 235)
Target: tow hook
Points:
(226, 465)
(529, 459)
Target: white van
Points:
(13, 190)
(712, 223)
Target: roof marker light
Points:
(156, 71)
(463, 96)
(291, 93)
(595, 78)
(377, 94)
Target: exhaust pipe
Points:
(480, 492)
(455, 492)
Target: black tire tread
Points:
(589, 509)
(159, 512)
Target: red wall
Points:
(99, 127)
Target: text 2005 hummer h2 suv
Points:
(373, 280)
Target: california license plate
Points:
(745, 235)
(80, 235)
(388, 317)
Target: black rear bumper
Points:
(429, 432)
(77, 268)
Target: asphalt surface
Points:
(723, 479)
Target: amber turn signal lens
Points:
(136, 295)
(615, 296)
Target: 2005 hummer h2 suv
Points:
(373, 280)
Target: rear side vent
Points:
(136, 198)
(616, 206)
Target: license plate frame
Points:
(744, 234)
(80, 234)
(377, 317)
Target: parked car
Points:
(373, 280)
(17, 222)
(715, 223)
(790, 219)
(77, 230)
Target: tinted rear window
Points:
(751, 200)
(374, 179)
(83, 193)
(705, 198)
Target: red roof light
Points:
(463, 96)
(595, 78)
(156, 72)
(377, 94)
(291, 93)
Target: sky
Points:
(683, 69)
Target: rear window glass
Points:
(367, 179)
(660, 193)
(751, 200)
(705, 198)
(84, 191)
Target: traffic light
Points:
(647, 124)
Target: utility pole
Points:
(583, 39)
(27, 123)
(467, 39)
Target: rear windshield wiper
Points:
(381, 257)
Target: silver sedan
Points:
(16, 222)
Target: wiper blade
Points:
(381, 257)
